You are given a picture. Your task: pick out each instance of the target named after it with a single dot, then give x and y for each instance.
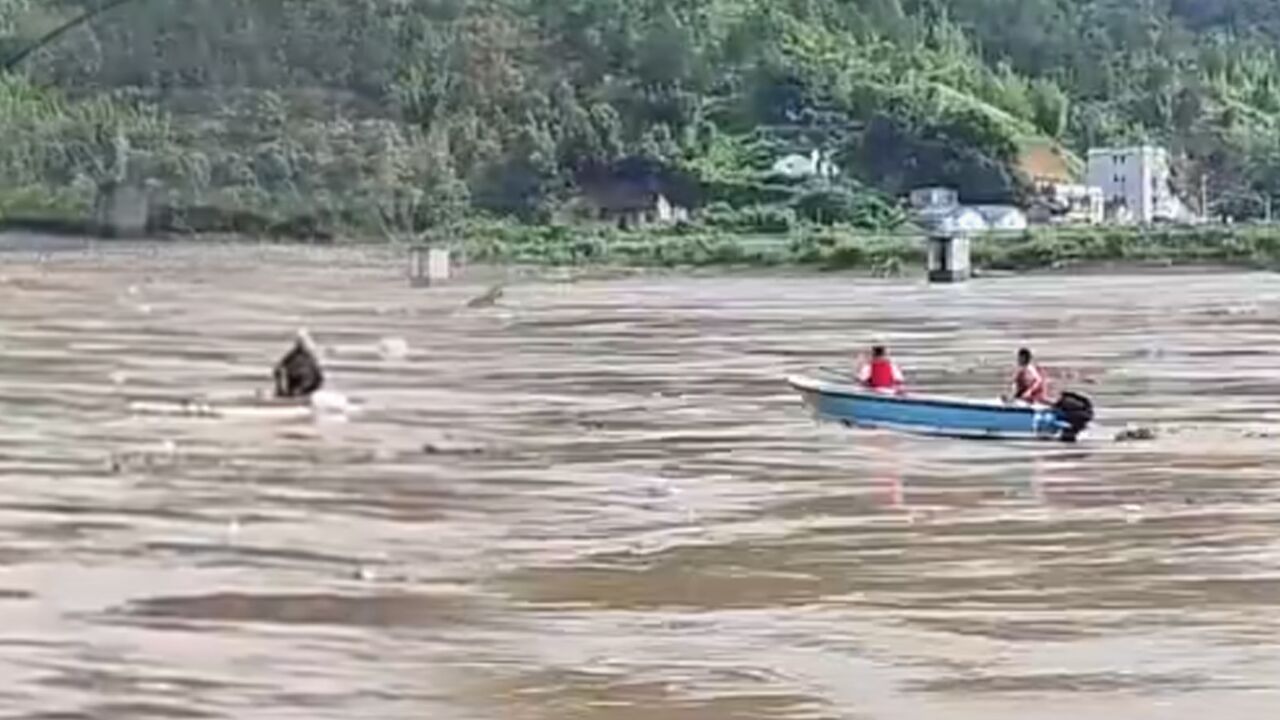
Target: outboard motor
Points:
(1076, 411)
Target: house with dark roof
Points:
(630, 204)
(633, 194)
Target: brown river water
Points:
(598, 498)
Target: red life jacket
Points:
(883, 374)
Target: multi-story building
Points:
(1136, 184)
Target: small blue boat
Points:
(850, 403)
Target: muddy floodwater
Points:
(597, 499)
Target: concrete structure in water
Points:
(948, 257)
(121, 210)
(429, 265)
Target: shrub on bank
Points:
(846, 248)
(769, 219)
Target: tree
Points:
(1050, 107)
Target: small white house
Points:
(952, 220)
(800, 167)
(938, 209)
(630, 203)
(1002, 217)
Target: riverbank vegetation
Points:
(382, 119)
(882, 254)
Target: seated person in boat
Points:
(881, 373)
(1029, 384)
(298, 373)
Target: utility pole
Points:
(1204, 196)
(16, 58)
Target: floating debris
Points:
(393, 348)
(1136, 434)
(488, 299)
(451, 448)
(887, 268)
(1233, 311)
(167, 457)
(660, 487)
(1261, 435)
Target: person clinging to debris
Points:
(491, 297)
(298, 373)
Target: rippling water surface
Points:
(599, 500)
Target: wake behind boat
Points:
(841, 400)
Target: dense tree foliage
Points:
(408, 114)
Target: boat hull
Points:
(856, 406)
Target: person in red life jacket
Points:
(881, 373)
(1029, 384)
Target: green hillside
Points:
(401, 115)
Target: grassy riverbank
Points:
(835, 249)
(814, 247)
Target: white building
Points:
(1069, 204)
(952, 220)
(1137, 183)
(938, 209)
(800, 167)
(1002, 217)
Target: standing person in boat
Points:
(298, 373)
(1029, 384)
(881, 373)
